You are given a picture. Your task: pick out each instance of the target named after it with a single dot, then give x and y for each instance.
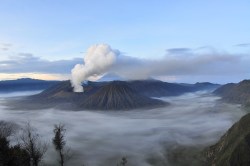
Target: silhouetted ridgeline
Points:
(118, 95)
(235, 93)
(150, 88)
(156, 88)
(114, 95)
(25, 84)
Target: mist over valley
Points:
(146, 137)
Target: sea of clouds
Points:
(104, 137)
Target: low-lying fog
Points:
(102, 138)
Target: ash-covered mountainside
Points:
(149, 88)
(25, 84)
(114, 95)
(117, 95)
(235, 93)
(234, 147)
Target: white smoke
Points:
(97, 60)
(101, 59)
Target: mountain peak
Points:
(117, 95)
(235, 93)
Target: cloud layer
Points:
(243, 45)
(176, 63)
(169, 65)
(5, 46)
(27, 63)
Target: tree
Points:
(32, 143)
(7, 129)
(123, 162)
(59, 143)
(11, 155)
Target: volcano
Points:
(113, 95)
(117, 95)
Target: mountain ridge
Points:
(113, 95)
(235, 92)
(233, 148)
(118, 96)
(25, 84)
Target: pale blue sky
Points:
(61, 29)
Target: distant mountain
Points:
(233, 148)
(156, 88)
(114, 95)
(25, 84)
(205, 86)
(235, 93)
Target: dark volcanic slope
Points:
(114, 95)
(64, 91)
(117, 95)
(236, 93)
(150, 88)
(233, 149)
(59, 92)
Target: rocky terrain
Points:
(235, 93)
(233, 149)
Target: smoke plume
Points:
(97, 60)
(101, 59)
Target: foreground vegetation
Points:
(28, 149)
